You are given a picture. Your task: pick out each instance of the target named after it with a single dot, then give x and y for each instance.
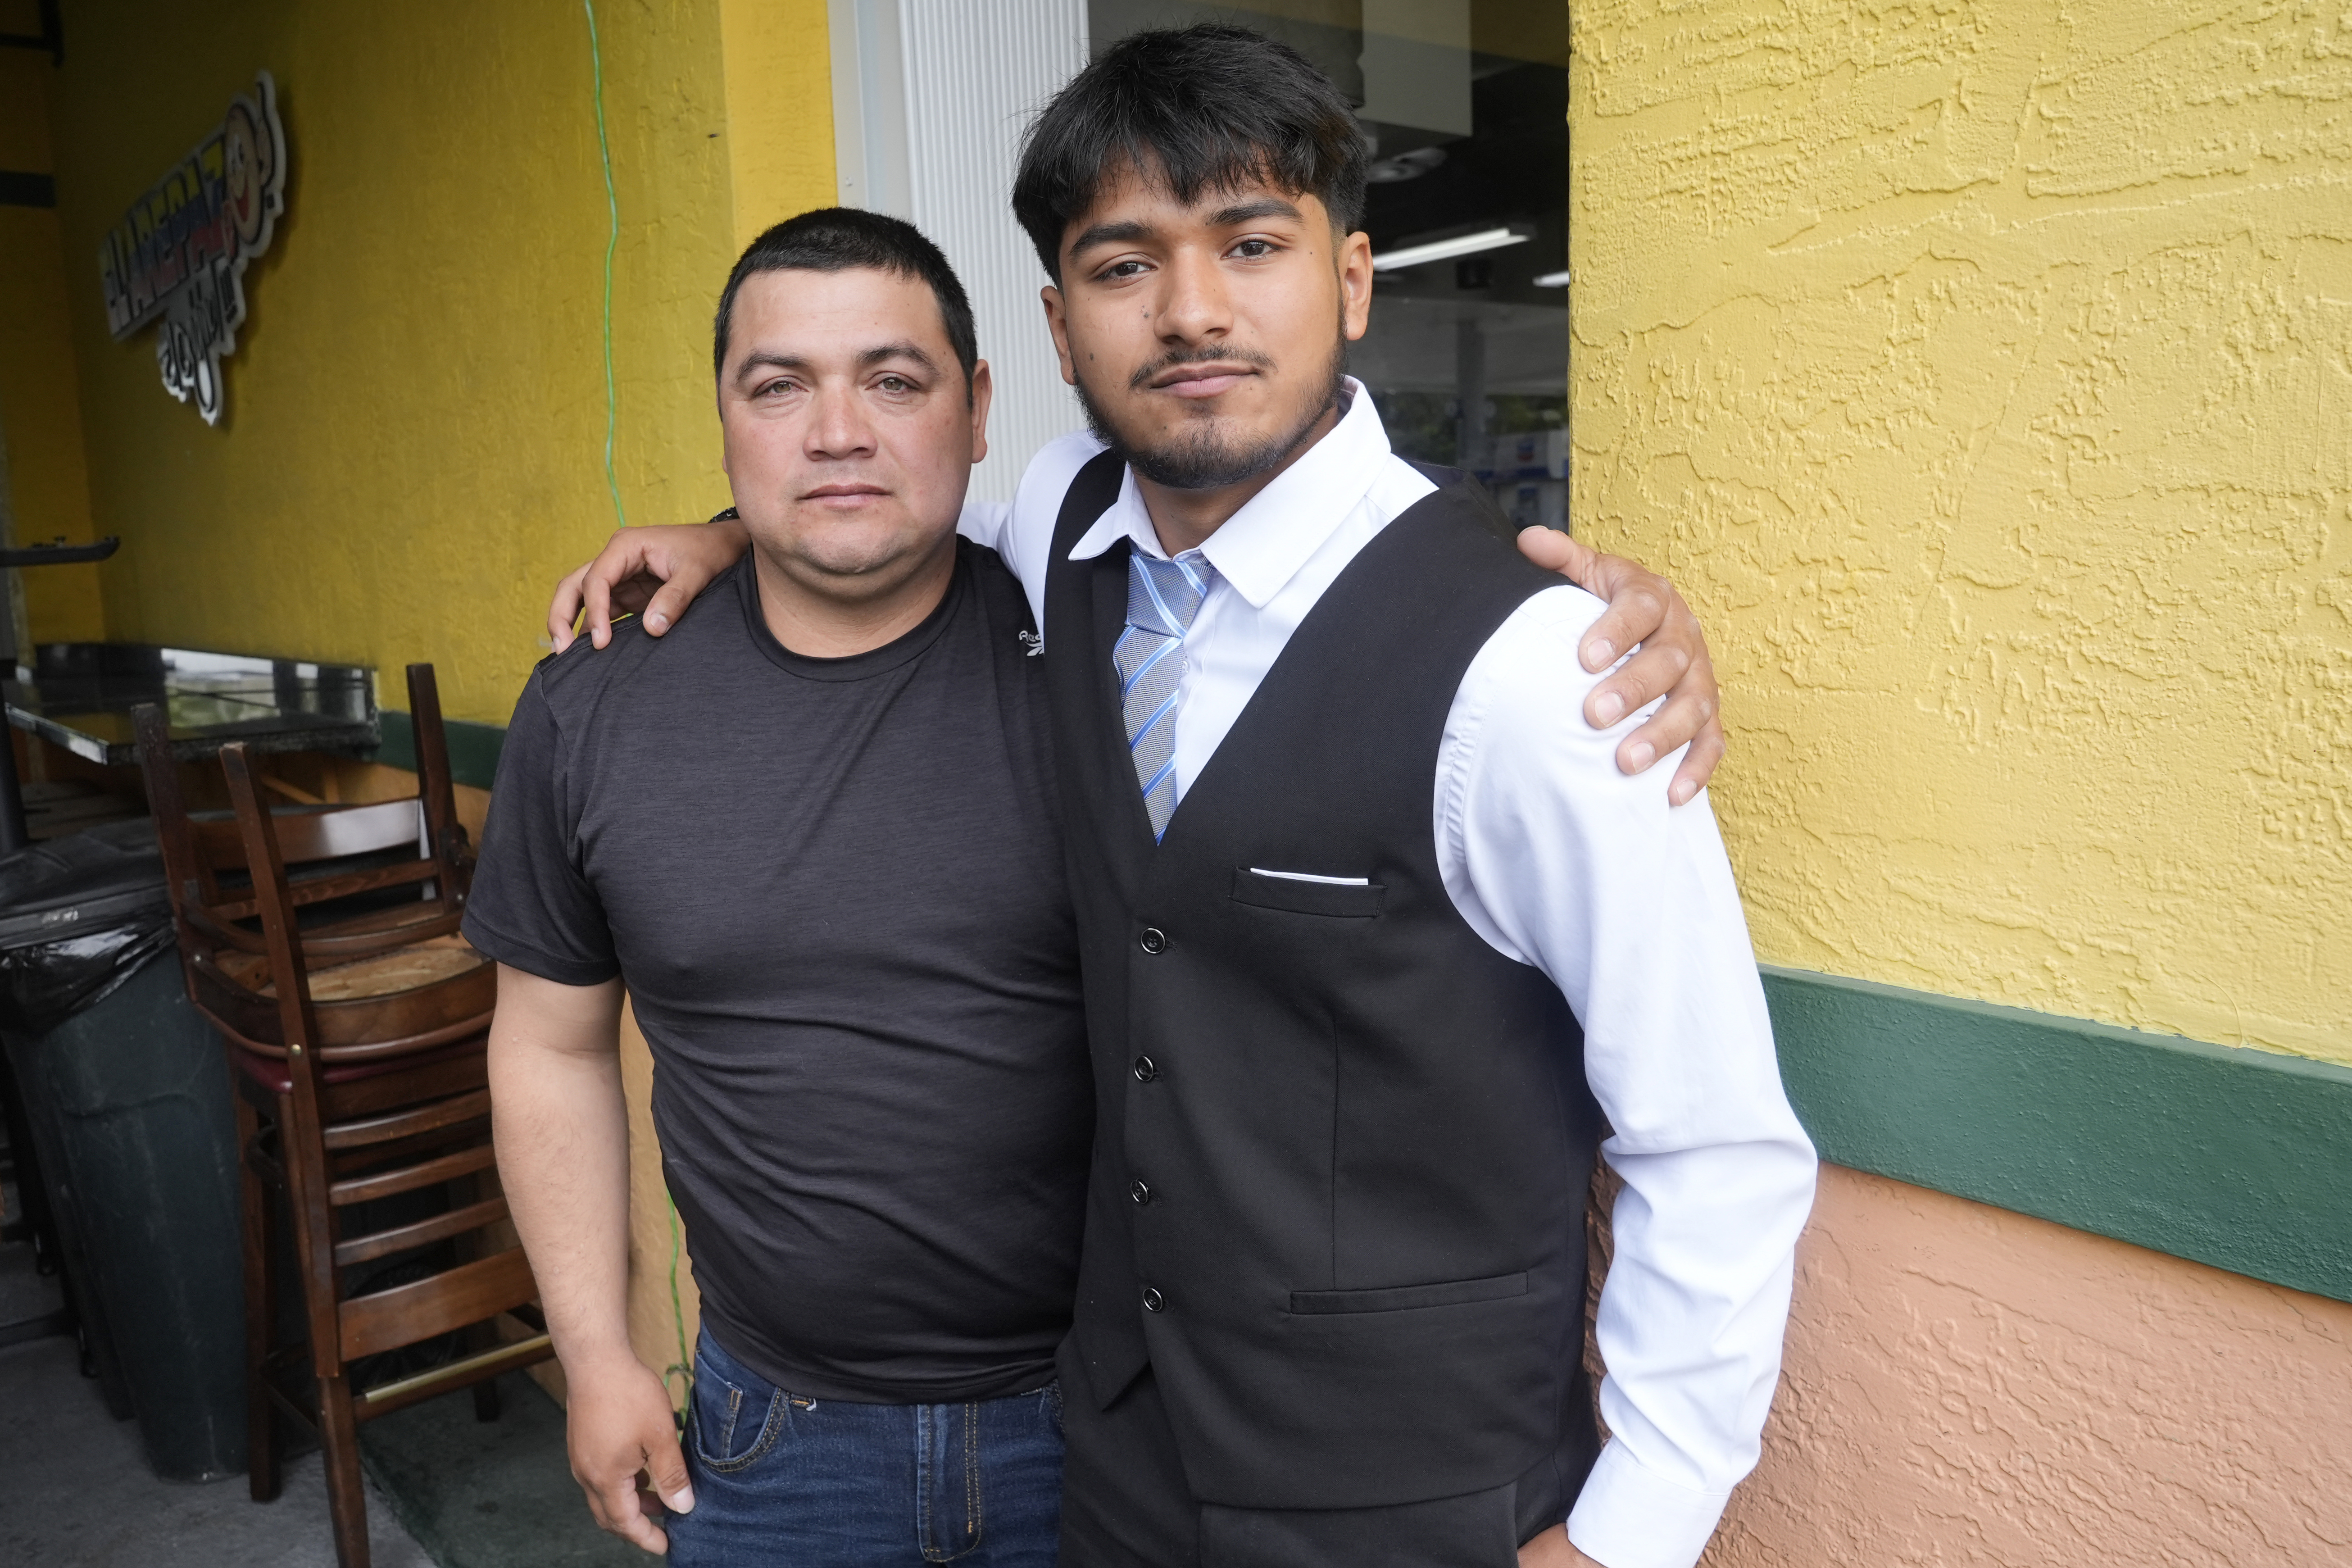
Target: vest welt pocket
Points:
(1452, 1293)
(1360, 900)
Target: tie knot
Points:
(1164, 596)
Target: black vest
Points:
(1342, 1144)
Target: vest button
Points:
(1140, 1192)
(1155, 940)
(1146, 1069)
(1152, 1300)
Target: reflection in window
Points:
(1464, 108)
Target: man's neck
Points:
(1184, 519)
(817, 624)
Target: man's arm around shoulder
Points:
(563, 1134)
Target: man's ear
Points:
(983, 388)
(1057, 324)
(1355, 284)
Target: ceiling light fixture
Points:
(1553, 279)
(1446, 249)
(1404, 165)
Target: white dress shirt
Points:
(1556, 859)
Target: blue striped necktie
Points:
(1162, 598)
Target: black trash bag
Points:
(43, 985)
(79, 916)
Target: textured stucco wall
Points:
(48, 487)
(779, 81)
(1971, 1388)
(1981, 369)
(413, 447)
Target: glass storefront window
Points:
(1464, 105)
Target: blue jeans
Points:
(786, 1482)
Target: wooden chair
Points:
(323, 943)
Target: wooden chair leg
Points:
(339, 1440)
(260, 1311)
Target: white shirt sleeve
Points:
(982, 522)
(1026, 539)
(1559, 860)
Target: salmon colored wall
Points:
(1969, 1388)
(1982, 370)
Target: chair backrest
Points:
(265, 898)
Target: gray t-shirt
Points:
(834, 890)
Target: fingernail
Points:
(1599, 654)
(679, 1502)
(655, 621)
(1642, 756)
(1684, 789)
(1609, 706)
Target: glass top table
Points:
(80, 695)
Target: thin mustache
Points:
(1142, 378)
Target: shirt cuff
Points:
(1629, 1517)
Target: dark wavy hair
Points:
(835, 240)
(1203, 108)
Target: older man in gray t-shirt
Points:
(813, 832)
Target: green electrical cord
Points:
(612, 242)
(684, 1367)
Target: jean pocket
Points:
(736, 1416)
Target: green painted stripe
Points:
(473, 748)
(2237, 1158)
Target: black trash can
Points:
(127, 1091)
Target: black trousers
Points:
(1126, 1504)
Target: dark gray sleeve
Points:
(531, 906)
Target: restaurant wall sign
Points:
(179, 254)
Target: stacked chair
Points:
(322, 942)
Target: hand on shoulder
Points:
(1644, 613)
(654, 573)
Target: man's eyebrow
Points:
(1127, 232)
(887, 351)
(770, 359)
(1250, 211)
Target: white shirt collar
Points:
(1261, 547)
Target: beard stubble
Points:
(1201, 457)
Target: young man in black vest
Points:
(1374, 934)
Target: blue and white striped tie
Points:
(1162, 598)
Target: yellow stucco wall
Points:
(40, 428)
(414, 444)
(414, 447)
(779, 81)
(1983, 372)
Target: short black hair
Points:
(1210, 107)
(837, 239)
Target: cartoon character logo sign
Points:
(180, 252)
